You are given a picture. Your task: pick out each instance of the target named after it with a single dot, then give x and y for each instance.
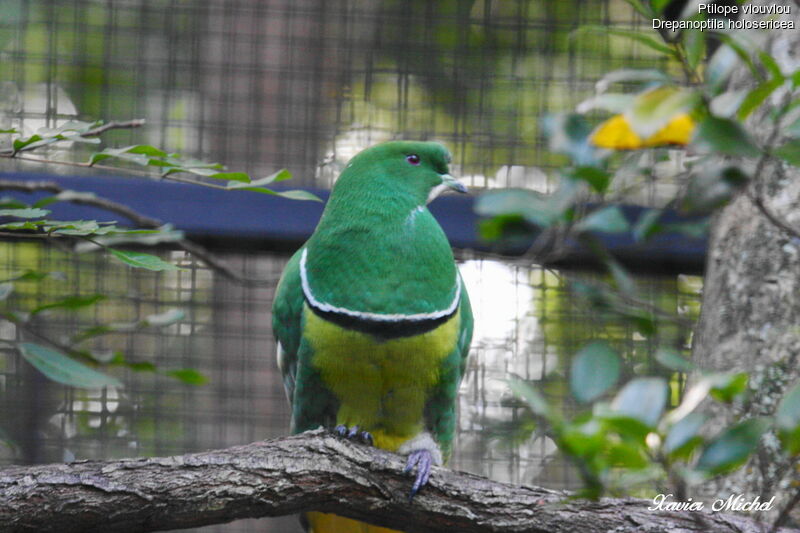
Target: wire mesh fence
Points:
(528, 324)
(304, 84)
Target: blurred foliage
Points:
(630, 438)
(458, 64)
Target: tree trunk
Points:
(314, 470)
(750, 318)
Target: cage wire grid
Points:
(261, 85)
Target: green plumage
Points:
(372, 318)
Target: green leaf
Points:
(66, 196)
(595, 369)
(6, 288)
(627, 427)
(641, 37)
(124, 154)
(604, 220)
(726, 387)
(731, 449)
(694, 41)
(189, 376)
(597, 178)
(631, 74)
(296, 194)
(144, 366)
(652, 110)
(744, 47)
(281, 175)
(20, 226)
(684, 435)
(31, 275)
(102, 356)
(533, 206)
(141, 260)
(511, 228)
(670, 358)
(790, 152)
(145, 149)
(659, 5)
(568, 133)
(29, 212)
(626, 455)
(647, 225)
(531, 396)
(77, 227)
(71, 303)
(641, 8)
(62, 369)
(694, 230)
(787, 420)
(169, 317)
(113, 236)
(712, 186)
(756, 97)
(242, 177)
(582, 439)
(724, 136)
(772, 66)
(622, 279)
(643, 399)
(727, 104)
(720, 67)
(613, 102)
(6, 202)
(22, 143)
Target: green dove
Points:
(372, 318)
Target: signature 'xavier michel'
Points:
(371, 316)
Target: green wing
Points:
(440, 409)
(287, 322)
(313, 404)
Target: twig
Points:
(135, 171)
(755, 195)
(772, 217)
(137, 218)
(128, 124)
(784, 516)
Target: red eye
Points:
(413, 159)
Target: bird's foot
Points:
(423, 452)
(422, 461)
(354, 433)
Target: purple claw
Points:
(366, 438)
(422, 460)
(354, 433)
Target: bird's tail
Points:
(331, 523)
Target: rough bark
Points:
(314, 470)
(751, 298)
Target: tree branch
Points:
(137, 218)
(113, 125)
(312, 471)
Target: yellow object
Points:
(352, 363)
(331, 523)
(617, 134)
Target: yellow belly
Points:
(331, 523)
(381, 385)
